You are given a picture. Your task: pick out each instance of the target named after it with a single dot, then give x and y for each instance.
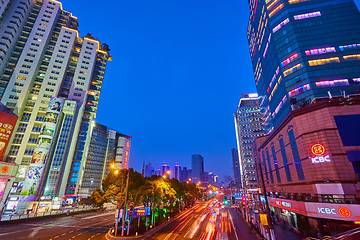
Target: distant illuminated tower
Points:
(177, 171)
(197, 167)
(236, 168)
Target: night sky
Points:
(178, 70)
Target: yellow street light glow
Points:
(116, 171)
(168, 172)
(190, 179)
(164, 176)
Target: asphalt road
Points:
(206, 221)
(86, 226)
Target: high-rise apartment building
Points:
(236, 168)
(197, 167)
(248, 126)
(301, 50)
(96, 160)
(51, 78)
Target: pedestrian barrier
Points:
(11, 217)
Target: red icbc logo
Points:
(344, 212)
(318, 149)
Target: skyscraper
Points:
(197, 167)
(248, 126)
(95, 162)
(176, 173)
(149, 170)
(301, 50)
(236, 168)
(51, 78)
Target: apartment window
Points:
(80, 83)
(62, 51)
(13, 97)
(28, 60)
(19, 84)
(57, 66)
(39, 34)
(41, 29)
(77, 94)
(21, 78)
(33, 49)
(285, 160)
(37, 39)
(30, 55)
(47, 96)
(60, 56)
(296, 155)
(54, 78)
(43, 25)
(35, 44)
(51, 84)
(55, 72)
(58, 61)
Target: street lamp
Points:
(189, 179)
(168, 172)
(116, 172)
(164, 176)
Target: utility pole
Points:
(271, 227)
(126, 198)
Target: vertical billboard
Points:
(7, 124)
(41, 151)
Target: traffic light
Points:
(233, 200)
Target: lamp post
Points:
(271, 227)
(125, 204)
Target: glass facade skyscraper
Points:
(197, 167)
(248, 126)
(302, 50)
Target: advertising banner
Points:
(7, 124)
(41, 151)
(345, 212)
(32, 179)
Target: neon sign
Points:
(318, 149)
(321, 158)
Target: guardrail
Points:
(10, 217)
(353, 234)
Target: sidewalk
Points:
(285, 234)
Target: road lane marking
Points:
(100, 215)
(56, 236)
(231, 220)
(36, 230)
(63, 234)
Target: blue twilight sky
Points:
(178, 70)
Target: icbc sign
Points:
(320, 159)
(318, 150)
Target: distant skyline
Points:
(178, 71)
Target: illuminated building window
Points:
(277, 109)
(293, 69)
(297, 1)
(332, 83)
(324, 61)
(299, 90)
(280, 25)
(289, 60)
(267, 45)
(349, 47)
(320, 51)
(307, 15)
(357, 80)
(352, 57)
(276, 10)
(271, 4)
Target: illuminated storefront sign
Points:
(345, 212)
(320, 159)
(318, 150)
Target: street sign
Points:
(263, 219)
(147, 211)
(141, 212)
